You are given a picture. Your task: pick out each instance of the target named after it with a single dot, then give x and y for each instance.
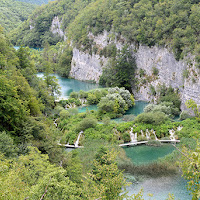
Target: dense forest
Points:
(33, 164)
(31, 159)
(34, 127)
(12, 13)
(167, 23)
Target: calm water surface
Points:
(137, 109)
(143, 154)
(71, 85)
(159, 187)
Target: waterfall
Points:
(77, 141)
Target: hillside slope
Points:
(170, 22)
(12, 13)
(163, 36)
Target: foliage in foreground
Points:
(190, 165)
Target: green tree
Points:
(195, 108)
(190, 165)
(120, 71)
(12, 109)
(64, 63)
(105, 177)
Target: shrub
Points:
(155, 118)
(83, 94)
(91, 99)
(141, 138)
(87, 123)
(149, 108)
(126, 137)
(73, 111)
(141, 72)
(184, 115)
(153, 90)
(63, 102)
(58, 109)
(64, 114)
(106, 120)
(78, 102)
(74, 95)
(155, 71)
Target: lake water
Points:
(159, 187)
(135, 110)
(17, 47)
(71, 85)
(143, 154)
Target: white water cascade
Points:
(77, 141)
(133, 136)
(147, 134)
(172, 134)
(154, 133)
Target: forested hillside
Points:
(38, 2)
(35, 129)
(31, 159)
(12, 13)
(171, 23)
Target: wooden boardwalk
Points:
(144, 142)
(133, 143)
(70, 146)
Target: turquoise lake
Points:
(71, 85)
(159, 187)
(143, 154)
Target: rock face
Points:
(86, 67)
(181, 75)
(56, 27)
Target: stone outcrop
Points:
(86, 67)
(56, 27)
(181, 75)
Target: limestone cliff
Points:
(181, 75)
(86, 67)
(56, 27)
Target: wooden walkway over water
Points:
(121, 145)
(144, 142)
(70, 146)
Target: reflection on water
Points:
(71, 85)
(143, 154)
(159, 187)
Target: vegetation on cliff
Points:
(171, 23)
